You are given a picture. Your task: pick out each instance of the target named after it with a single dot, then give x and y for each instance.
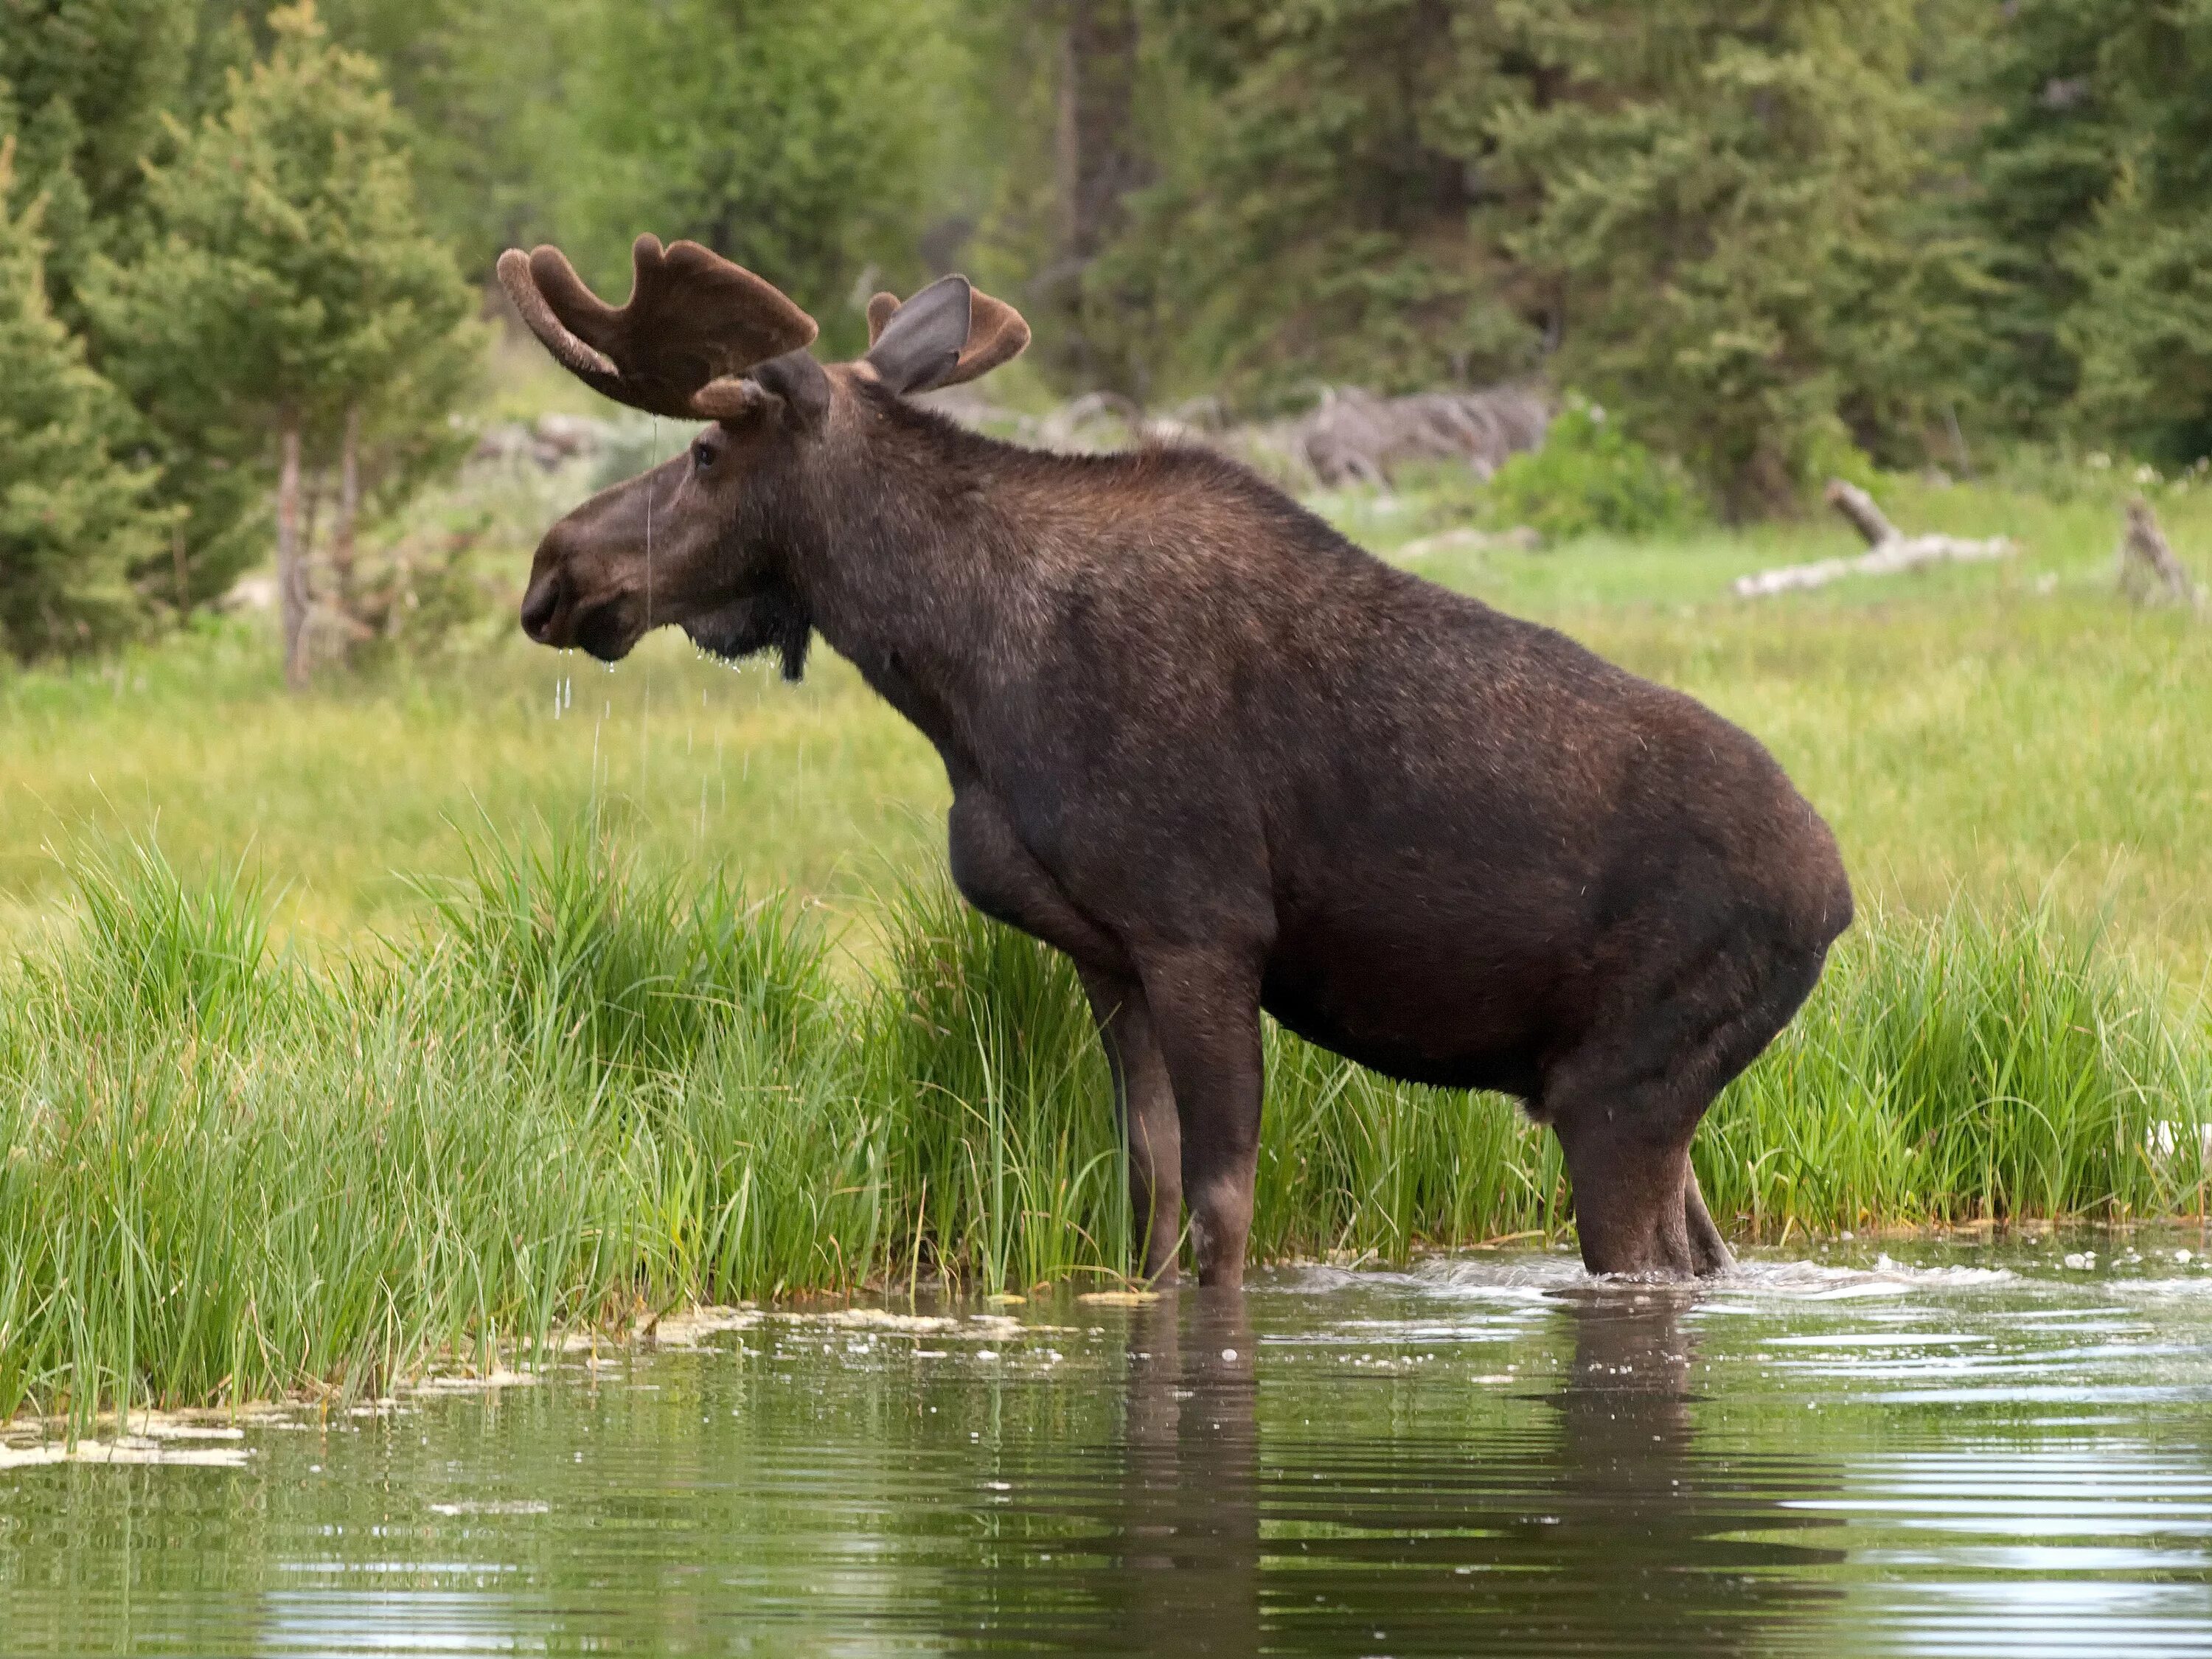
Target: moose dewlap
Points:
(1222, 757)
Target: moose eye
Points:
(702, 455)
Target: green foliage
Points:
(286, 269)
(2097, 194)
(1965, 1066)
(1590, 476)
(75, 519)
(283, 277)
(1337, 209)
(800, 141)
(1724, 223)
(89, 80)
(159, 951)
(1002, 1138)
(489, 90)
(1734, 226)
(2142, 329)
(617, 968)
(261, 1178)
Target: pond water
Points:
(1930, 1446)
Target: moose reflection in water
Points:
(1476, 1455)
(1228, 1543)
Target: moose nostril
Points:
(539, 606)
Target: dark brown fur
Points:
(1226, 760)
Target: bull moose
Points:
(1222, 757)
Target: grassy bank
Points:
(579, 1092)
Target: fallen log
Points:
(2148, 567)
(1891, 550)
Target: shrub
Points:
(1591, 477)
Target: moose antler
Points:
(693, 320)
(997, 333)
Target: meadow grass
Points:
(586, 1092)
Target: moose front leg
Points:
(1206, 1018)
(1146, 1105)
(1001, 879)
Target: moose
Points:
(1223, 758)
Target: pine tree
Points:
(89, 80)
(800, 141)
(288, 303)
(74, 520)
(2096, 171)
(1726, 210)
(1332, 206)
(490, 90)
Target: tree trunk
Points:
(291, 565)
(1098, 159)
(1858, 506)
(348, 508)
(2147, 561)
(183, 569)
(1097, 165)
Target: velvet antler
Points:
(694, 324)
(996, 333)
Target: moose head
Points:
(703, 541)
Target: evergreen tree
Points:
(800, 141)
(89, 80)
(1724, 209)
(74, 519)
(490, 88)
(1335, 209)
(2096, 170)
(288, 304)
(1099, 160)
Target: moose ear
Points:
(797, 379)
(995, 334)
(918, 345)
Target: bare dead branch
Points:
(1858, 506)
(1891, 550)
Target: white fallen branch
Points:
(1889, 550)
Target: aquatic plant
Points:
(583, 1095)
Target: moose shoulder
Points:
(1222, 757)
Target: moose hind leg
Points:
(1708, 1248)
(1205, 1016)
(1626, 1104)
(1629, 1190)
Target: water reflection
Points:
(1189, 1522)
(1595, 1525)
(1587, 1520)
(1477, 1456)
(1680, 1551)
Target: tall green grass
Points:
(587, 1094)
